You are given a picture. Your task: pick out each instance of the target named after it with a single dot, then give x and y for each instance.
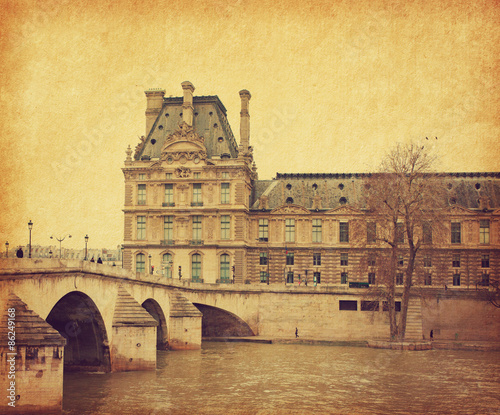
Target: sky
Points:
(334, 84)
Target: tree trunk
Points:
(391, 294)
(406, 294)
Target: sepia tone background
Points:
(334, 84)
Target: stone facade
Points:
(195, 209)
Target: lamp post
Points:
(86, 241)
(7, 249)
(60, 241)
(150, 270)
(30, 227)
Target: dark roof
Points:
(209, 121)
(338, 189)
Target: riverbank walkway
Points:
(377, 344)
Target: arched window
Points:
(140, 262)
(224, 268)
(167, 265)
(196, 268)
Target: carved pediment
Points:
(184, 144)
(290, 209)
(460, 211)
(344, 210)
(155, 165)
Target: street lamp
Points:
(86, 241)
(30, 227)
(7, 249)
(60, 240)
(150, 270)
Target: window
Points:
(317, 259)
(456, 280)
(263, 258)
(263, 230)
(427, 279)
(196, 267)
(371, 232)
(168, 176)
(197, 228)
(456, 261)
(344, 277)
(197, 195)
(263, 276)
(317, 277)
(371, 278)
(485, 280)
(350, 305)
(370, 306)
(397, 306)
(289, 277)
(400, 233)
(399, 278)
(485, 261)
(224, 193)
(427, 261)
(371, 260)
(317, 229)
(344, 259)
(141, 194)
(426, 233)
(167, 265)
(142, 176)
(169, 195)
(225, 227)
(140, 263)
(484, 231)
(225, 175)
(289, 230)
(456, 233)
(168, 228)
(401, 261)
(344, 232)
(141, 227)
(224, 267)
(196, 175)
(289, 258)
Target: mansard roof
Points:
(209, 121)
(339, 189)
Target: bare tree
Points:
(405, 199)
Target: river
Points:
(250, 378)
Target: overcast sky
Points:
(334, 85)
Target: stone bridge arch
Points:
(77, 318)
(217, 322)
(155, 310)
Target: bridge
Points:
(77, 315)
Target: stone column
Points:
(32, 365)
(154, 104)
(244, 120)
(133, 345)
(187, 104)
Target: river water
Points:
(250, 378)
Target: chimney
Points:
(154, 103)
(244, 120)
(187, 104)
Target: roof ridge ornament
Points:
(185, 133)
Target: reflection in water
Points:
(248, 378)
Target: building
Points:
(196, 210)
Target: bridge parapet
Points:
(17, 266)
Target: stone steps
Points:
(414, 320)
